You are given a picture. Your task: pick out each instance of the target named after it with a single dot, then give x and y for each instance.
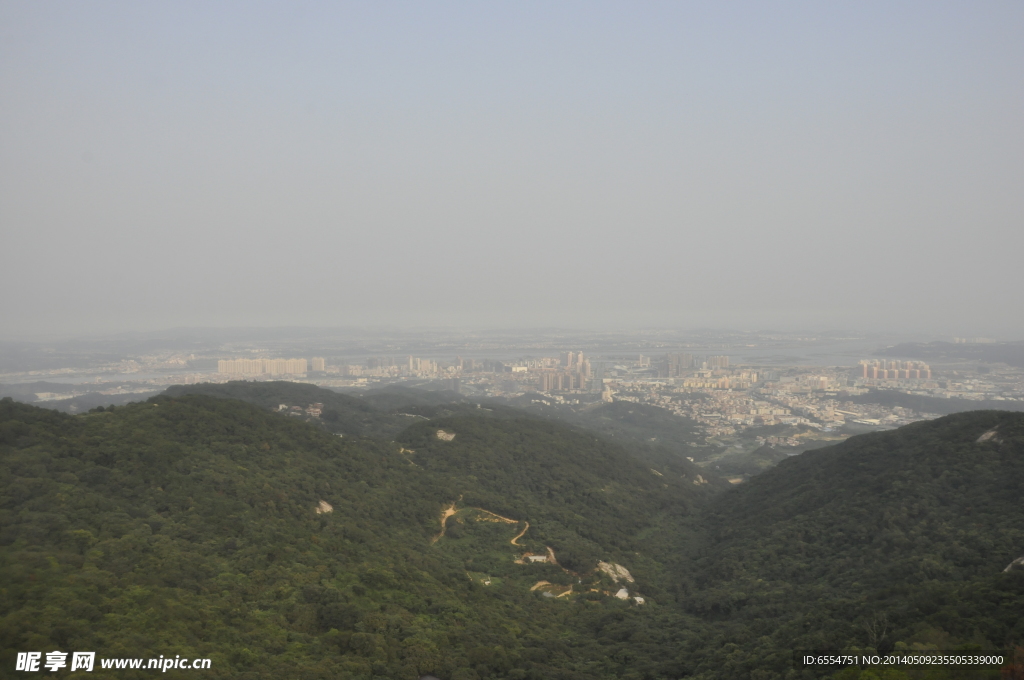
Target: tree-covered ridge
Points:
(930, 488)
(342, 413)
(888, 541)
(189, 526)
(579, 492)
(652, 433)
(642, 424)
(380, 413)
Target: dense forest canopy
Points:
(471, 544)
(890, 541)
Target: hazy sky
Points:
(839, 164)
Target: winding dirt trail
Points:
(450, 510)
(494, 514)
(513, 541)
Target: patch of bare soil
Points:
(445, 514)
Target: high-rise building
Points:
(262, 366)
(894, 370)
(678, 364)
(562, 381)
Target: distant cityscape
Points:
(743, 382)
(271, 367)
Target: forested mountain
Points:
(342, 413)
(588, 498)
(653, 435)
(189, 525)
(894, 540)
(472, 546)
(381, 413)
(642, 424)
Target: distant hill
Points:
(385, 412)
(398, 396)
(642, 424)
(653, 434)
(342, 413)
(1011, 353)
(925, 404)
(28, 391)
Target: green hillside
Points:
(483, 545)
(582, 494)
(639, 424)
(893, 540)
(381, 413)
(342, 413)
(384, 413)
(653, 434)
(188, 526)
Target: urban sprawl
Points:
(724, 398)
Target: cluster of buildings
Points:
(725, 413)
(725, 398)
(894, 370)
(726, 401)
(571, 374)
(778, 441)
(313, 410)
(679, 364)
(708, 379)
(270, 367)
(406, 367)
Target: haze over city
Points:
(582, 165)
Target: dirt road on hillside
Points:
(513, 541)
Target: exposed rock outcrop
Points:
(616, 571)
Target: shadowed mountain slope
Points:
(894, 540)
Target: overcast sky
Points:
(824, 164)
